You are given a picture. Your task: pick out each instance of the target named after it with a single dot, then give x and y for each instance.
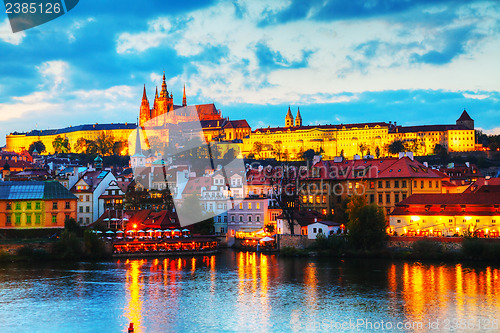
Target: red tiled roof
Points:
(237, 124)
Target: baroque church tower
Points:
(289, 118)
(298, 119)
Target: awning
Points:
(249, 229)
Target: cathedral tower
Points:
(289, 118)
(145, 113)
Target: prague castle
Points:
(349, 140)
(288, 142)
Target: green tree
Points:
(308, 155)
(366, 225)
(277, 149)
(441, 151)
(80, 145)
(40, 147)
(362, 147)
(257, 149)
(61, 145)
(270, 228)
(104, 144)
(396, 147)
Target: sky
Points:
(413, 62)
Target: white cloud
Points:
(54, 73)
(335, 64)
(475, 96)
(493, 131)
(139, 42)
(77, 24)
(8, 36)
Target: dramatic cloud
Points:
(340, 61)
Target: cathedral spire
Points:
(184, 103)
(164, 91)
(144, 97)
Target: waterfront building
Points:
(251, 215)
(384, 182)
(325, 228)
(35, 204)
(88, 189)
(447, 215)
(301, 219)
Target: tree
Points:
(257, 149)
(342, 153)
(366, 224)
(40, 147)
(377, 151)
(277, 149)
(104, 144)
(396, 147)
(270, 228)
(441, 151)
(308, 155)
(80, 145)
(362, 147)
(287, 198)
(61, 145)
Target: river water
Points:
(240, 291)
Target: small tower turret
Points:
(466, 120)
(289, 118)
(184, 103)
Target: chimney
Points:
(467, 164)
(426, 164)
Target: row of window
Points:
(257, 205)
(30, 219)
(388, 198)
(314, 199)
(29, 205)
(249, 218)
(450, 221)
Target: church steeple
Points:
(144, 114)
(164, 91)
(289, 118)
(298, 119)
(184, 103)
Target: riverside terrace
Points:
(160, 243)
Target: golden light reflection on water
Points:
(133, 311)
(447, 292)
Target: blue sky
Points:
(414, 62)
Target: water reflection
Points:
(238, 291)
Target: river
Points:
(240, 291)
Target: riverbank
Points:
(463, 249)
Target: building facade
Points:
(35, 204)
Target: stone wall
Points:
(14, 247)
(448, 243)
(296, 241)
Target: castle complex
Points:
(288, 142)
(349, 140)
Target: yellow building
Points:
(348, 140)
(454, 138)
(17, 142)
(291, 141)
